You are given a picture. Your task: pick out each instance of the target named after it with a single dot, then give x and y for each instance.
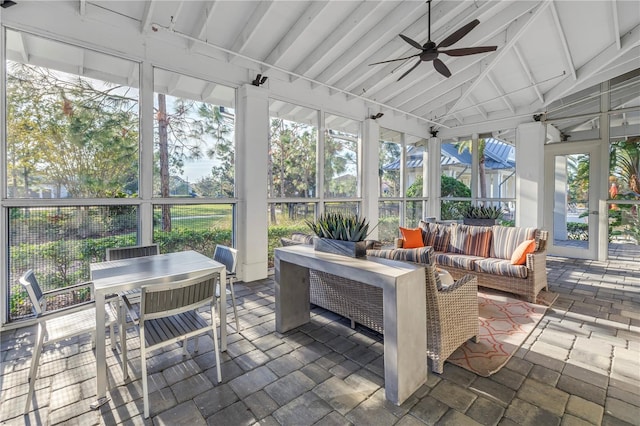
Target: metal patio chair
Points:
(168, 314)
(60, 324)
(229, 258)
(128, 252)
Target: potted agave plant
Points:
(482, 216)
(340, 233)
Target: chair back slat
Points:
(227, 256)
(165, 300)
(30, 284)
(118, 253)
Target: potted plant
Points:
(482, 216)
(340, 233)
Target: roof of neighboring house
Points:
(498, 155)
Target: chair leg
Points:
(123, 338)
(216, 347)
(145, 385)
(33, 370)
(235, 309)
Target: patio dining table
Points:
(115, 276)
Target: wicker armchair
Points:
(452, 316)
(452, 311)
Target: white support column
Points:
(530, 139)
(145, 191)
(602, 171)
(370, 160)
(431, 177)
(252, 147)
(475, 167)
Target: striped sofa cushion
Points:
(471, 240)
(506, 239)
(501, 267)
(422, 255)
(462, 261)
(435, 235)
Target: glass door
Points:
(571, 193)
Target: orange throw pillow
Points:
(519, 256)
(412, 237)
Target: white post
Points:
(252, 147)
(370, 146)
(530, 138)
(431, 177)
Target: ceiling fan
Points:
(430, 51)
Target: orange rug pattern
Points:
(505, 323)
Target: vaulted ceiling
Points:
(547, 50)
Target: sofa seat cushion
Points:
(460, 261)
(471, 240)
(506, 239)
(435, 235)
(422, 255)
(501, 267)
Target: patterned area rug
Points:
(505, 323)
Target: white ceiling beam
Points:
(207, 91)
(82, 7)
(204, 19)
(357, 18)
(527, 71)
(599, 62)
(394, 23)
(563, 40)
(310, 14)
(250, 28)
(420, 84)
(519, 28)
(173, 83)
(22, 47)
(616, 23)
(477, 107)
(443, 99)
(501, 93)
(147, 15)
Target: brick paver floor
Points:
(580, 366)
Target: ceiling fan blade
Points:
(461, 32)
(411, 42)
(441, 67)
(399, 59)
(411, 69)
(468, 50)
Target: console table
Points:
(404, 307)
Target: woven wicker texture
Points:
(452, 313)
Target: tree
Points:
(449, 187)
(389, 152)
(292, 161)
(190, 130)
(482, 174)
(71, 132)
(340, 157)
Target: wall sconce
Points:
(260, 80)
(376, 116)
(434, 133)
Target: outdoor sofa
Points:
(488, 252)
